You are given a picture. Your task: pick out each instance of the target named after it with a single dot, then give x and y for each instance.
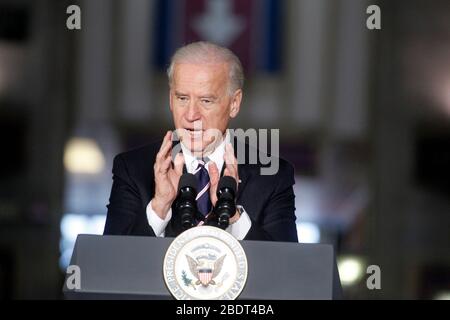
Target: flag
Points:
(250, 28)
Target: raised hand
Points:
(167, 177)
(231, 169)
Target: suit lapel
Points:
(244, 176)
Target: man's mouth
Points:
(194, 133)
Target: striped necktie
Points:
(203, 201)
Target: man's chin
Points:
(194, 145)
(198, 147)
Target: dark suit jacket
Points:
(268, 199)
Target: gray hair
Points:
(205, 52)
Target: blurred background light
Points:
(83, 156)
(351, 269)
(442, 295)
(71, 226)
(12, 57)
(308, 232)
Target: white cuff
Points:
(240, 228)
(158, 225)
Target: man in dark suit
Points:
(205, 93)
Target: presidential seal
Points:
(205, 263)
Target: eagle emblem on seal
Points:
(205, 270)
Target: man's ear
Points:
(236, 103)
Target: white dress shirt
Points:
(239, 229)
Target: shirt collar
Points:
(216, 156)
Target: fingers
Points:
(214, 180)
(228, 156)
(165, 191)
(165, 165)
(162, 162)
(166, 146)
(213, 172)
(176, 172)
(179, 163)
(231, 168)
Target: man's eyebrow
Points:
(177, 93)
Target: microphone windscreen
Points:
(227, 182)
(188, 180)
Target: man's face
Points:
(201, 104)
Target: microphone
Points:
(186, 205)
(226, 203)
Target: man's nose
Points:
(193, 112)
